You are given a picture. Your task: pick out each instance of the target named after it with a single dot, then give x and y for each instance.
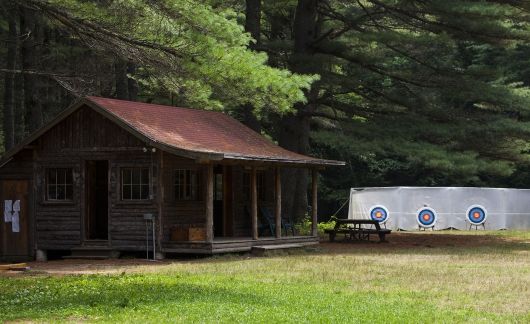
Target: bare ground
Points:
(398, 242)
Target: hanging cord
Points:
(334, 216)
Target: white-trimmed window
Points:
(59, 184)
(135, 183)
(187, 184)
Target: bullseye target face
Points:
(476, 214)
(379, 213)
(426, 217)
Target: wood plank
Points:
(209, 203)
(254, 203)
(278, 203)
(314, 206)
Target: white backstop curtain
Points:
(505, 208)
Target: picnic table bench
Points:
(353, 229)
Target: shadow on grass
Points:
(111, 294)
(431, 244)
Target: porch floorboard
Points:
(233, 244)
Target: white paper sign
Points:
(15, 218)
(15, 225)
(16, 206)
(8, 207)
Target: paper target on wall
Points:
(476, 215)
(426, 217)
(379, 213)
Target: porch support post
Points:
(254, 204)
(278, 203)
(314, 206)
(209, 203)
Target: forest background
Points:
(407, 92)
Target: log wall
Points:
(87, 135)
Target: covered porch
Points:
(243, 209)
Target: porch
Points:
(234, 244)
(240, 210)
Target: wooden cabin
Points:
(90, 180)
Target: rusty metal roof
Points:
(200, 131)
(192, 133)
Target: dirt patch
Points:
(401, 240)
(73, 266)
(398, 241)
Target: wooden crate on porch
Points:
(188, 233)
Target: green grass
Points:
(371, 283)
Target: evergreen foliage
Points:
(408, 92)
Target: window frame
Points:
(148, 184)
(187, 185)
(68, 170)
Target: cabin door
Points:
(15, 222)
(222, 201)
(97, 200)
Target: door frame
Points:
(226, 207)
(30, 224)
(83, 198)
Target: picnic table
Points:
(356, 230)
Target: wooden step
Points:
(93, 252)
(262, 249)
(87, 257)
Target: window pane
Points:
(59, 184)
(126, 192)
(218, 187)
(69, 180)
(61, 194)
(61, 176)
(135, 192)
(52, 193)
(135, 176)
(69, 192)
(145, 176)
(145, 192)
(135, 183)
(187, 184)
(193, 185)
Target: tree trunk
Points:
(131, 83)
(30, 26)
(253, 27)
(253, 21)
(295, 128)
(9, 81)
(20, 123)
(120, 77)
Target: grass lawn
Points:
(462, 277)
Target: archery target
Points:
(426, 217)
(476, 214)
(379, 213)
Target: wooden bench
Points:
(354, 230)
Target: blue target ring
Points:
(476, 215)
(426, 217)
(379, 213)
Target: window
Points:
(218, 187)
(186, 184)
(59, 184)
(135, 184)
(260, 187)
